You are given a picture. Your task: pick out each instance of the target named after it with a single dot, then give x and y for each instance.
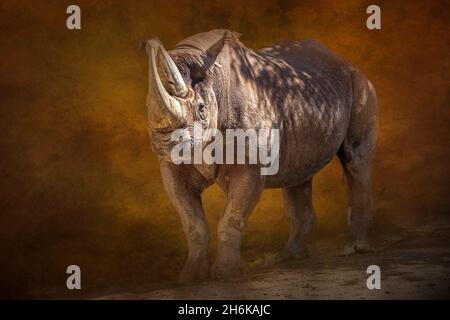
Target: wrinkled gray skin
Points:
(322, 105)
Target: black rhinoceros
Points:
(320, 104)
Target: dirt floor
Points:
(405, 274)
(414, 265)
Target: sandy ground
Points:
(413, 266)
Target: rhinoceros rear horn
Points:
(164, 110)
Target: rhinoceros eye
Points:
(201, 107)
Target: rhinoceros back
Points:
(313, 112)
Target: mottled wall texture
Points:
(80, 185)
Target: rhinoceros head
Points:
(184, 85)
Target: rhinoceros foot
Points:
(292, 252)
(195, 270)
(357, 247)
(229, 267)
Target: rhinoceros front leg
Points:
(184, 185)
(243, 186)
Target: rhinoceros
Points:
(321, 104)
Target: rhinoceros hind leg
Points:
(355, 155)
(298, 206)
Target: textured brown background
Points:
(79, 184)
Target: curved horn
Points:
(171, 75)
(167, 112)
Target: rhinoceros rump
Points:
(321, 104)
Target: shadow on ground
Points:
(414, 265)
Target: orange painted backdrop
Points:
(79, 183)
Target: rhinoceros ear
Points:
(213, 51)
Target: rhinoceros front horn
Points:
(165, 112)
